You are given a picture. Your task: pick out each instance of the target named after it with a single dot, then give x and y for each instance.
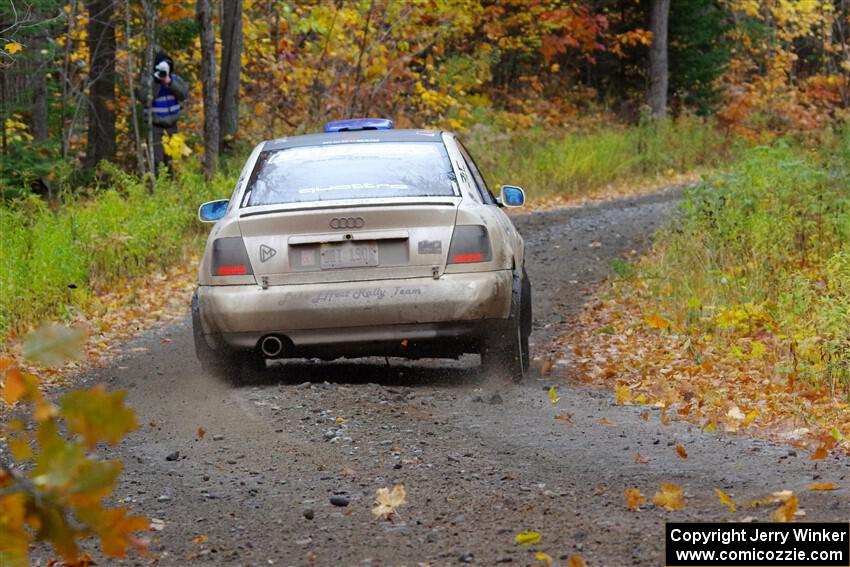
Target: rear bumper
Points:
(406, 316)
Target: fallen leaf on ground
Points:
(640, 459)
(200, 539)
(552, 396)
(386, 501)
(576, 561)
(540, 556)
(566, 418)
(201, 432)
(670, 497)
(785, 513)
(681, 451)
(605, 421)
(724, 499)
(623, 394)
(818, 486)
(528, 538)
(820, 453)
(634, 498)
(656, 321)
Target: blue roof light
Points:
(359, 124)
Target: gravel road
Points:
(481, 460)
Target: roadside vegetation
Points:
(57, 256)
(580, 162)
(740, 316)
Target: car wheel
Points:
(507, 353)
(235, 367)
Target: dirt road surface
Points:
(481, 460)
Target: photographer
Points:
(167, 91)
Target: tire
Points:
(507, 353)
(235, 367)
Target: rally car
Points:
(364, 240)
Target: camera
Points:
(161, 74)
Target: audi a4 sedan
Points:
(361, 241)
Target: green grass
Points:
(53, 261)
(765, 248)
(550, 163)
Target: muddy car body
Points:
(359, 243)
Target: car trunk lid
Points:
(388, 239)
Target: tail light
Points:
(470, 243)
(229, 257)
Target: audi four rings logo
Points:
(347, 222)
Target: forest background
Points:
(747, 298)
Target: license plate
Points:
(349, 255)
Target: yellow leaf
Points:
(681, 451)
(98, 415)
(386, 501)
(634, 498)
(725, 500)
(670, 497)
(750, 417)
(818, 486)
(528, 538)
(20, 448)
(623, 394)
(13, 47)
(576, 561)
(200, 539)
(540, 556)
(785, 513)
(554, 398)
(657, 322)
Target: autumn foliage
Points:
(54, 491)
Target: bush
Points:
(54, 259)
(764, 250)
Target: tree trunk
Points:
(39, 105)
(101, 125)
(203, 9)
(131, 90)
(659, 16)
(231, 55)
(150, 40)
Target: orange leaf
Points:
(820, 453)
(634, 498)
(681, 451)
(201, 432)
(817, 486)
(14, 388)
(657, 322)
(200, 539)
(576, 561)
(670, 497)
(724, 499)
(785, 513)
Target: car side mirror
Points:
(213, 210)
(512, 196)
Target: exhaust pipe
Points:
(271, 346)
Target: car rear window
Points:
(373, 170)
